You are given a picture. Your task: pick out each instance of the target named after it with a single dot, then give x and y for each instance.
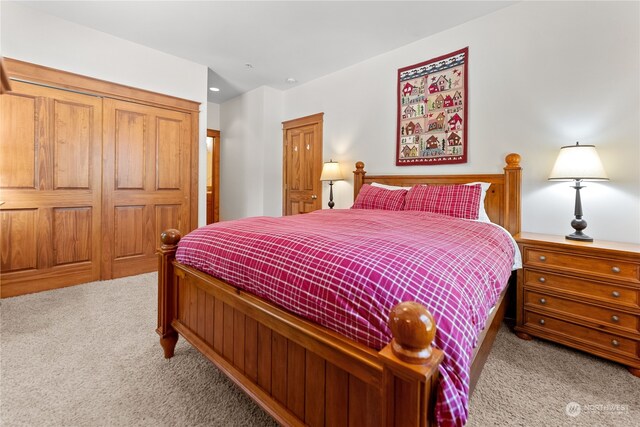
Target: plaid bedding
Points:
(371, 197)
(460, 201)
(346, 269)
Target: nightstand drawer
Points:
(598, 315)
(572, 332)
(617, 270)
(586, 288)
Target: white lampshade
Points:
(331, 171)
(578, 162)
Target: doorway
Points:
(302, 165)
(213, 176)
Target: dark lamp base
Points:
(579, 224)
(579, 236)
(331, 204)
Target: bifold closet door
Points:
(146, 183)
(50, 183)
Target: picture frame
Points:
(433, 111)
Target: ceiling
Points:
(280, 39)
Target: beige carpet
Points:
(88, 356)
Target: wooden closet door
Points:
(50, 183)
(146, 183)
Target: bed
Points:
(304, 373)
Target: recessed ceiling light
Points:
(214, 89)
(291, 80)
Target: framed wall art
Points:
(432, 111)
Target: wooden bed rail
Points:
(395, 386)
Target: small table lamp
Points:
(578, 162)
(331, 172)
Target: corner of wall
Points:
(272, 154)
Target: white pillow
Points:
(388, 187)
(482, 213)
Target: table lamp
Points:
(331, 172)
(579, 163)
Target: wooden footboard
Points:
(298, 372)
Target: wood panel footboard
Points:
(298, 372)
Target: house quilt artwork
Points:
(432, 111)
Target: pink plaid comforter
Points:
(346, 269)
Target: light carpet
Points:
(88, 356)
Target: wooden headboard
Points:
(502, 201)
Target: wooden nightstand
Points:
(584, 295)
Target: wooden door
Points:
(302, 165)
(146, 183)
(213, 176)
(50, 178)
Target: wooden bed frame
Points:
(302, 373)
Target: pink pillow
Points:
(460, 201)
(379, 198)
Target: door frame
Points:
(215, 179)
(313, 119)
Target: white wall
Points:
(272, 151)
(32, 36)
(251, 155)
(213, 116)
(541, 75)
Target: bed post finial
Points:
(358, 178)
(413, 330)
(512, 160)
(166, 309)
(170, 238)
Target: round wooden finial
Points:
(513, 160)
(359, 166)
(170, 237)
(413, 329)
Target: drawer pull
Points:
(543, 301)
(541, 321)
(615, 343)
(615, 269)
(542, 280)
(615, 294)
(543, 258)
(615, 318)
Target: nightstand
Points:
(585, 295)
